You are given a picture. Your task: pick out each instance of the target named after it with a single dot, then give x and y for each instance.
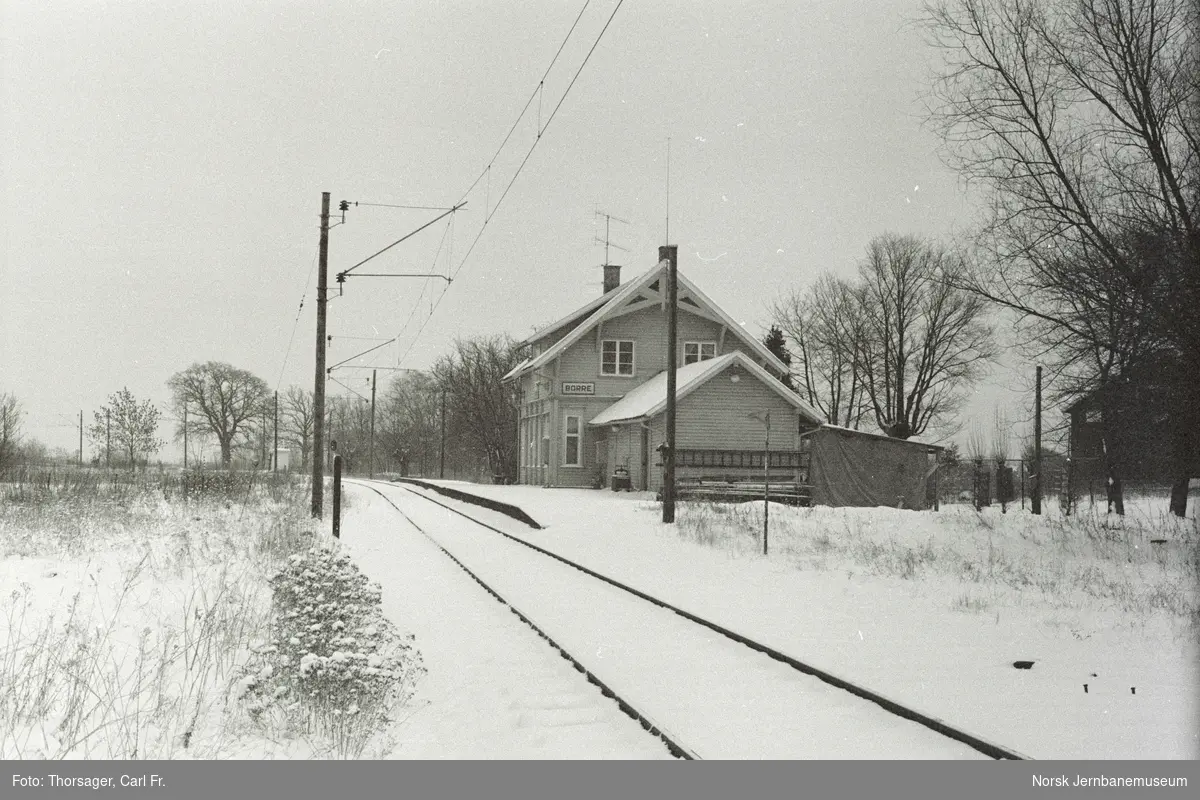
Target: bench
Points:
(735, 490)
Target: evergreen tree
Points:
(775, 342)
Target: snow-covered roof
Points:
(610, 305)
(871, 434)
(650, 398)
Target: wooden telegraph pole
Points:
(442, 457)
(81, 437)
(1037, 445)
(107, 438)
(318, 462)
(275, 452)
(371, 450)
(670, 253)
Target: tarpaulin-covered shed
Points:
(855, 468)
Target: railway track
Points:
(730, 695)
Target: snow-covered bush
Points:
(335, 664)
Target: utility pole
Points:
(670, 253)
(185, 442)
(371, 449)
(766, 478)
(107, 438)
(275, 452)
(81, 437)
(442, 459)
(1037, 445)
(318, 465)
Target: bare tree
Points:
(923, 340)
(296, 418)
(1080, 118)
(222, 400)
(824, 325)
(483, 410)
(349, 426)
(129, 425)
(409, 430)
(10, 428)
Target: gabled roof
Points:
(611, 305)
(650, 398)
(574, 316)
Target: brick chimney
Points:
(612, 277)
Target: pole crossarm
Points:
(344, 273)
(363, 353)
(446, 278)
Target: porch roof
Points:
(650, 398)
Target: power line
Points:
(344, 386)
(528, 102)
(417, 305)
(425, 284)
(490, 212)
(390, 205)
(488, 216)
(296, 323)
(342, 275)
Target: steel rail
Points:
(978, 743)
(676, 749)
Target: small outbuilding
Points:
(857, 468)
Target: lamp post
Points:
(765, 418)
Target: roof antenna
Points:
(608, 220)
(668, 241)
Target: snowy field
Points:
(931, 609)
(134, 625)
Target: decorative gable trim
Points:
(625, 299)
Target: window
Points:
(571, 435)
(698, 351)
(616, 357)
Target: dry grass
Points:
(1143, 564)
(146, 609)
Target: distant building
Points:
(283, 460)
(1141, 434)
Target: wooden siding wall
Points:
(581, 361)
(715, 417)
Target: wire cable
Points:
(491, 213)
(529, 102)
(424, 285)
(296, 323)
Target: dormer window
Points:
(616, 357)
(698, 351)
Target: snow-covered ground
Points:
(494, 689)
(931, 609)
(125, 619)
(714, 697)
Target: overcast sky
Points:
(164, 163)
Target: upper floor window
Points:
(616, 357)
(698, 351)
